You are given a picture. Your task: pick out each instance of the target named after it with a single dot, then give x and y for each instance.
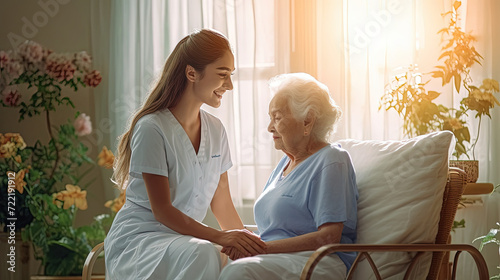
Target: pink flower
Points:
(60, 67)
(4, 59)
(93, 78)
(61, 72)
(82, 125)
(11, 96)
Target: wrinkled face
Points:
(287, 131)
(216, 79)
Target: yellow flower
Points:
(16, 139)
(10, 143)
(19, 180)
(57, 198)
(490, 84)
(73, 195)
(487, 96)
(117, 203)
(106, 158)
(108, 203)
(7, 150)
(455, 123)
(20, 183)
(18, 159)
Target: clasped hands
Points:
(242, 243)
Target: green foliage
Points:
(458, 224)
(48, 168)
(408, 96)
(21, 211)
(61, 247)
(48, 93)
(491, 237)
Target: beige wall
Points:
(66, 29)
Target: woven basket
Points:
(470, 167)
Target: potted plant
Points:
(408, 95)
(47, 181)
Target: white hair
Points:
(306, 95)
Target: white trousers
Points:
(179, 258)
(283, 266)
(189, 258)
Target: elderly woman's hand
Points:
(232, 253)
(245, 242)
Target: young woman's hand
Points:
(244, 241)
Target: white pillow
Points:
(401, 186)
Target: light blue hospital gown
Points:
(137, 245)
(322, 189)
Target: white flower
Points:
(83, 61)
(14, 69)
(31, 52)
(58, 58)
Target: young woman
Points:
(173, 162)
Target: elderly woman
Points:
(311, 196)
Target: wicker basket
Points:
(470, 167)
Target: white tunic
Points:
(137, 245)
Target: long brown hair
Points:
(197, 50)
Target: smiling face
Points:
(216, 79)
(288, 133)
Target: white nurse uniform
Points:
(137, 245)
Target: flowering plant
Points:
(47, 179)
(106, 159)
(407, 93)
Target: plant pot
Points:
(470, 167)
(20, 257)
(94, 277)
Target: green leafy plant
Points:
(62, 247)
(458, 224)
(45, 178)
(407, 93)
(491, 237)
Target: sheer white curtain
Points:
(482, 20)
(135, 37)
(255, 38)
(363, 43)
